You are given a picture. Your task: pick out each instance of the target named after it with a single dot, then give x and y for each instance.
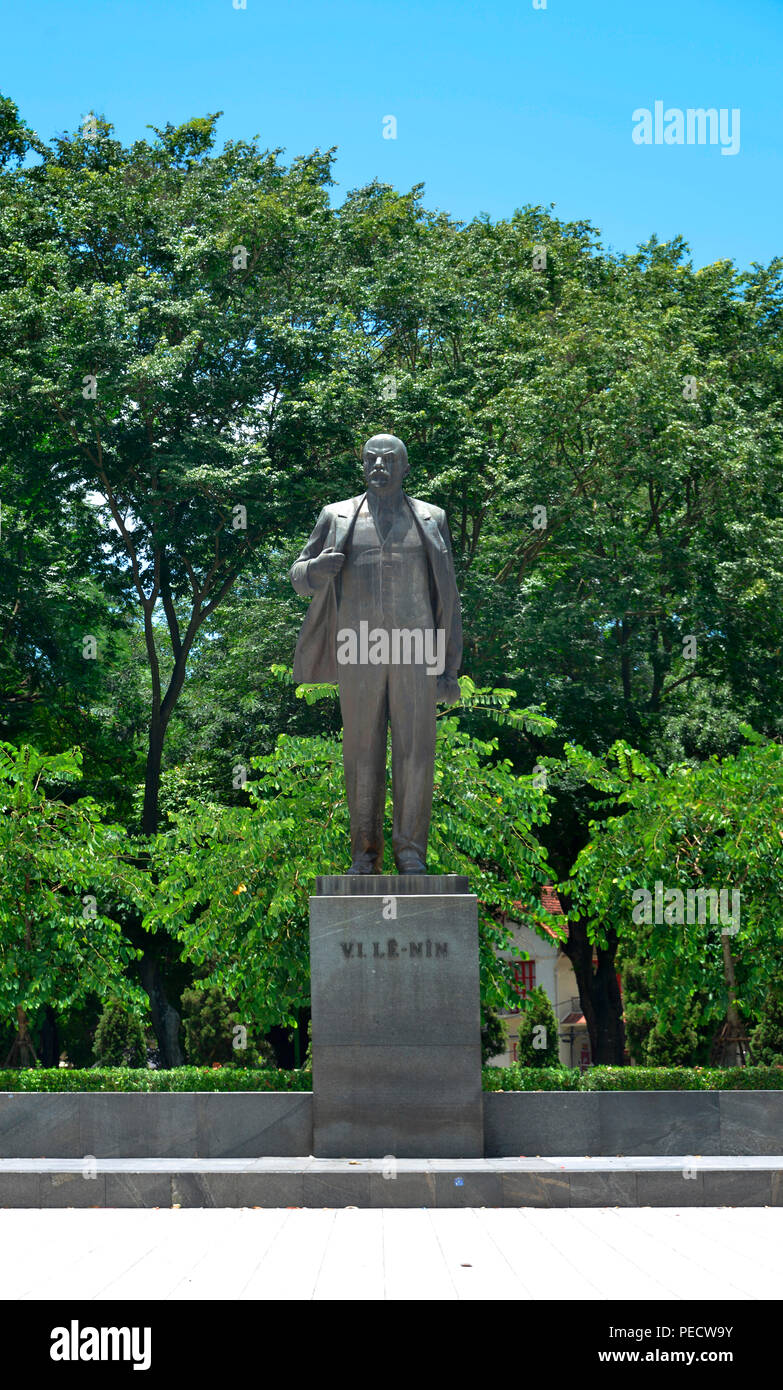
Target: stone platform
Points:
(394, 975)
(437, 1183)
(279, 1124)
(389, 885)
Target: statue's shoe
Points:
(362, 866)
(410, 864)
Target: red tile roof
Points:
(550, 900)
(550, 903)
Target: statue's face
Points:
(384, 468)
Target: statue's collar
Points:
(420, 510)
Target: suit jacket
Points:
(316, 651)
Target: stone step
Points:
(389, 885)
(686, 1180)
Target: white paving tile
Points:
(477, 1265)
(227, 1267)
(293, 1259)
(542, 1259)
(560, 1261)
(45, 1249)
(164, 1255)
(352, 1266)
(414, 1267)
(657, 1267)
(741, 1255)
(411, 1254)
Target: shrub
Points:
(656, 1034)
(667, 1048)
(766, 1040)
(513, 1078)
(537, 1045)
(212, 1032)
(119, 1038)
(208, 1025)
(517, 1078)
(494, 1036)
(172, 1079)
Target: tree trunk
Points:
(599, 995)
(151, 812)
(22, 1053)
(732, 1044)
(159, 723)
(50, 1039)
(165, 1019)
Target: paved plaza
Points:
(473, 1253)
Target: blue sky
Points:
(497, 104)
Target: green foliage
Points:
(208, 1023)
(682, 1079)
(66, 878)
(666, 1047)
(766, 1042)
(515, 389)
(215, 1078)
(653, 1035)
(519, 1078)
(76, 1029)
(119, 1038)
(515, 1078)
(232, 885)
(715, 826)
(538, 1025)
(214, 1032)
(124, 260)
(494, 1036)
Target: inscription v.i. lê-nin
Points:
(425, 950)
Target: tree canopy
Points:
(195, 341)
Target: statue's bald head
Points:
(385, 460)
(386, 445)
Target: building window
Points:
(524, 972)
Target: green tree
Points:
(766, 1041)
(655, 1037)
(163, 307)
(159, 362)
(494, 1036)
(215, 1032)
(605, 433)
(119, 1037)
(66, 877)
(603, 508)
(537, 1044)
(618, 532)
(232, 884)
(208, 1022)
(710, 829)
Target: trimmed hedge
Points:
(513, 1078)
(142, 1079)
(516, 1078)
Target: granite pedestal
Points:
(395, 1017)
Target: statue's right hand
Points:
(324, 567)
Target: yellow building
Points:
(550, 968)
